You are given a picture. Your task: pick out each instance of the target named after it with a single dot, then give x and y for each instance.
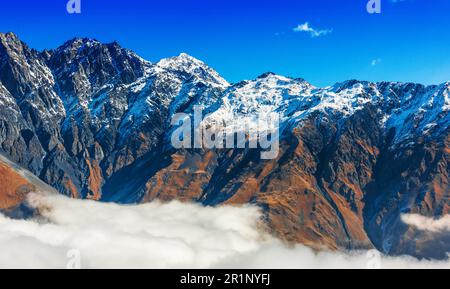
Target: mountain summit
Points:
(92, 120)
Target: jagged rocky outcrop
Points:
(93, 121)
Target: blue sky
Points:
(408, 41)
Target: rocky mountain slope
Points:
(14, 187)
(16, 184)
(93, 120)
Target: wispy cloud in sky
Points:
(305, 27)
(376, 61)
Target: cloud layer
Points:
(173, 235)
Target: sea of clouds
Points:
(86, 234)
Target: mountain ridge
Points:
(93, 121)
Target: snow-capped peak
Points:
(269, 93)
(79, 42)
(191, 66)
(268, 90)
(107, 80)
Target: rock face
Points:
(14, 187)
(16, 184)
(93, 120)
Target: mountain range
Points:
(93, 121)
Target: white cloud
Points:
(428, 224)
(305, 27)
(375, 62)
(173, 235)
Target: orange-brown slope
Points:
(13, 187)
(332, 185)
(302, 201)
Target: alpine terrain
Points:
(93, 121)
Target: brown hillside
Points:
(13, 187)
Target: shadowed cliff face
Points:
(93, 121)
(414, 179)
